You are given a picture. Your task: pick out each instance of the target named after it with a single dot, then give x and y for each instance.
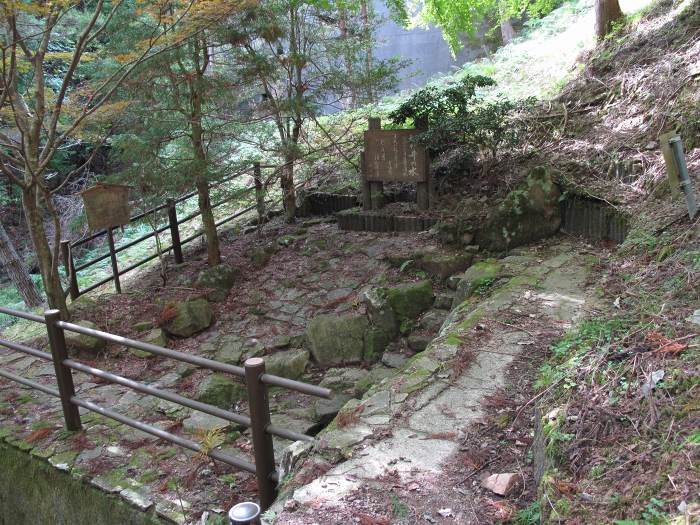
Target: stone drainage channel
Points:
(409, 426)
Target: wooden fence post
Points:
(259, 407)
(64, 377)
(259, 192)
(113, 258)
(69, 267)
(174, 232)
(376, 188)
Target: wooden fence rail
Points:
(68, 248)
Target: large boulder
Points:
(336, 340)
(220, 390)
(478, 275)
(84, 343)
(190, 317)
(528, 213)
(444, 265)
(217, 280)
(289, 363)
(410, 300)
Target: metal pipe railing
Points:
(25, 349)
(253, 372)
(162, 434)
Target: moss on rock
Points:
(191, 316)
(220, 390)
(528, 213)
(336, 340)
(408, 301)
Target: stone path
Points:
(408, 428)
(316, 270)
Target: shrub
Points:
(458, 118)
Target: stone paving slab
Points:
(548, 286)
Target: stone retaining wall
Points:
(32, 491)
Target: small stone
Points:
(433, 320)
(442, 266)
(695, 318)
(289, 363)
(394, 359)
(201, 423)
(220, 390)
(443, 302)
(143, 326)
(155, 337)
(418, 343)
(84, 343)
(501, 484)
(137, 498)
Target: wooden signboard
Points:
(106, 205)
(391, 155)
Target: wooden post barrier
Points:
(264, 453)
(174, 232)
(376, 188)
(64, 377)
(113, 259)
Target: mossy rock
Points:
(191, 317)
(528, 213)
(376, 341)
(442, 266)
(218, 280)
(84, 343)
(220, 390)
(478, 275)
(261, 255)
(154, 337)
(336, 340)
(408, 301)
(143, 326)
(289, 363)
(380, 313)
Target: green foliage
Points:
(457, 117)
(456, 18)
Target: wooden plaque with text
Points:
(391, 155)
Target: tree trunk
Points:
(507, 31)
(606, 12)
(208, 222)
(364, 13)
(200, 155)
(12, 265)
(44, 255)
(289, 198)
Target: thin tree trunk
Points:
(507, 31)
(200, 155)
(289, 198)
(12, 265)
(364, 13)
(606, 12)
(44, 255)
